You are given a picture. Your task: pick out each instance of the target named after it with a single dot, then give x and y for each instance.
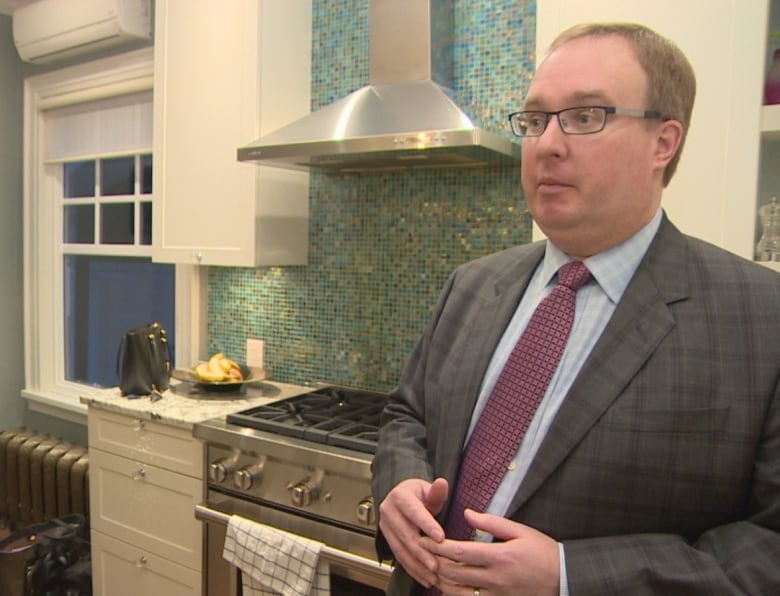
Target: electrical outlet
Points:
(255, 353)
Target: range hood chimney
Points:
(404, 118)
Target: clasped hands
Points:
(525, 561)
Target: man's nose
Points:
(553, 138)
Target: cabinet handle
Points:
(139, 474)
(140, 562)
(138, 425)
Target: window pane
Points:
(79, 179)
(146, 174)
(117, 225)
(146, 223)
(79, 224)
(117, 176)
(104, 297)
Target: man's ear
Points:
(667, 142)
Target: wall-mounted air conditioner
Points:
(50, 30)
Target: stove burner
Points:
(331, 415)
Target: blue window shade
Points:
(104, 297)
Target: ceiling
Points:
(8, 6)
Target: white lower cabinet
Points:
(120, 569)
(145, 480)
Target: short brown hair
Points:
(671, 82)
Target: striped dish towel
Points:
(274, 562)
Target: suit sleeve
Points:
(402, 450)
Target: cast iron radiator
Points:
(41, 477)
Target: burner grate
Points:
(334, 416)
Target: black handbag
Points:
(143, 361)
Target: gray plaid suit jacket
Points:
(661, 472)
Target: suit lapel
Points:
(640, 322)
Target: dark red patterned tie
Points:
(515, 398)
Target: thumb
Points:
(437, 495)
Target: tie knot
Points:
(573, 275)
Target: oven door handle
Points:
(328, 553)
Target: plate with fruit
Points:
(220, 373)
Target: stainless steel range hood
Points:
(404, 118)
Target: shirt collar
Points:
(612, 269)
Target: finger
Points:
(437, 495)
(461, 580)
(403, 537)
(420, 517)
(460, 553)
(495, 525)
(418, 563)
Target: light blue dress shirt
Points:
(596, 301)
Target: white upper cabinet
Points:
(227, 73)
(713, 193)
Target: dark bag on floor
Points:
(48, 559)
(143, 361)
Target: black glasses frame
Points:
(516, 117)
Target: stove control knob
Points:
(305, 492)
(219, 470)
(245, 478)
(365, 512)
(302, 495)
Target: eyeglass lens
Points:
(582, 120)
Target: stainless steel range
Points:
(301, 464)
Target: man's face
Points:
(588, 193)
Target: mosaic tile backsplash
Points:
(383, 244)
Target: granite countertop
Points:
(183, 406)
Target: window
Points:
(89, 190)
(106, 205)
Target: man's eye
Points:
(584, 117)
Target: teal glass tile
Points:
(381, 245)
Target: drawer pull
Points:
(140, 562)
(138, 425)
(139, 474)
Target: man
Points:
(652, 463)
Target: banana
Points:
(214, 362)
(219, 368)
(204, 373)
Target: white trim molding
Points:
(46, 389)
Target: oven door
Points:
(349, 573)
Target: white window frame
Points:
(46, 388)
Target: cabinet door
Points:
(712, 195)
(146, 506)
(120, 569)
(225, 74)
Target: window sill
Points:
(64, 407)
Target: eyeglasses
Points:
(583, 120)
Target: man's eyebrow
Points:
(575, 99)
